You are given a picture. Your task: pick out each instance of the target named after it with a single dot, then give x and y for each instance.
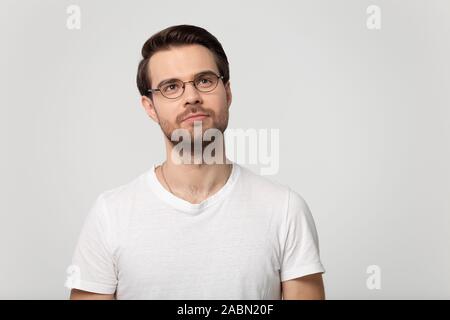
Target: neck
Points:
(194, 181)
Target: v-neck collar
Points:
(184, 205)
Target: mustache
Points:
(192, 110)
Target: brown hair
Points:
(177, 36)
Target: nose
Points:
(191, 94)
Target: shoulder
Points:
(268, 190)
(118, 203)
(113, 209)
(262, 188)
(126, 193)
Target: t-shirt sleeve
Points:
(299, 241)
(93, 265)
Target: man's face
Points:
(184, 63)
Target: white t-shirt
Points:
(142, 242)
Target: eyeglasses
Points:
(174, 88)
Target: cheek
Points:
(167, 114)
(217, 104)
(222, 118)
(165, 125)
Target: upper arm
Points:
(299, 244)
(309, 287)
(76, 294)
(93, 267)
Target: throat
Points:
(191, 188)
(194, 195)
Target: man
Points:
(193, 229)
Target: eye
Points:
(170, 87)
(205, 81)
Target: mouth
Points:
(195, 117)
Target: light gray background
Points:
(364, 124)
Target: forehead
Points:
(181, 62)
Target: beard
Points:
(213, 121)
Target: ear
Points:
(149, 107)
(228, 93)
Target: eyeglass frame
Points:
(184, 86)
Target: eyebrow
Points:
(174, 79)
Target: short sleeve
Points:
(93, 262)
(299, 241)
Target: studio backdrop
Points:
(347, 102)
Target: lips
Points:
(197, 116)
